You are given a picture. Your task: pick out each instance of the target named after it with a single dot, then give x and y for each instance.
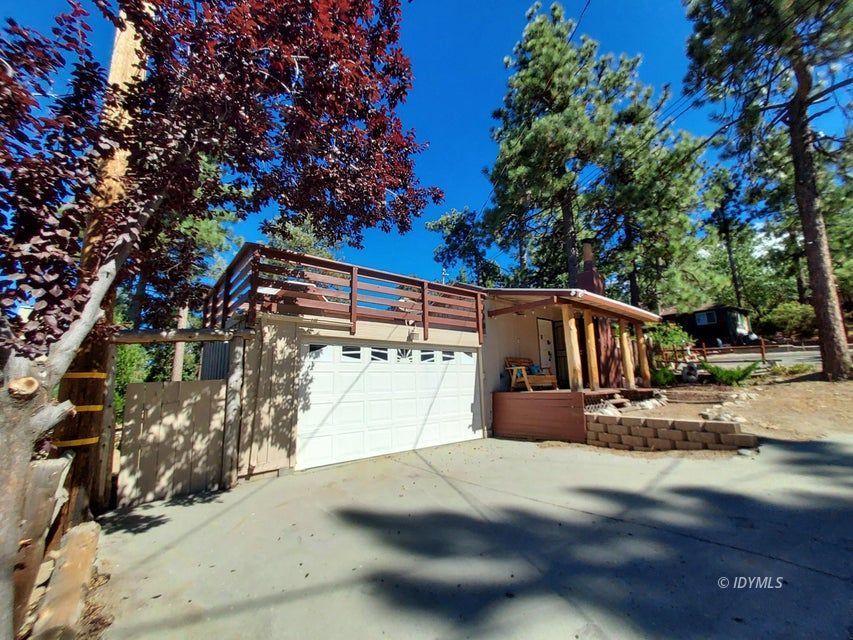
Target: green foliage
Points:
(465, 241)
(131, 366)
(302, 238)
(793, 370)
(663, 377)
(668, 335)
(731, 377)
(792, 319)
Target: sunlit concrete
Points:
(500, 539)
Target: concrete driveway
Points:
(500, 539)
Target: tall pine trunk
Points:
(730, 252)
(824, 299)
(634, 273)
(570, 236)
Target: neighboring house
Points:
(713, 324)
(348, 362)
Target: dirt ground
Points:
(794, 409)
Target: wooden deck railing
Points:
(263, 279)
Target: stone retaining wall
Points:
(635, 433)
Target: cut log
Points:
(62, 607)
(45, 496)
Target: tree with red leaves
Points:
(294, 102)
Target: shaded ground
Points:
(796, 409)
(500, 539)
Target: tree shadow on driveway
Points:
(650, 566)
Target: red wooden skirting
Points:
(539, 415)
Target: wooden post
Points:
(102, 481)
(570, 333)
(226, 293)
(591, 350)
(353, 301)
(425, 307)
(763, 351)
(643, 356)
(479, 311)
(627, 356)
(704, 350)
(233, 413)
(180, 347)
(126, 69)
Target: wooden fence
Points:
(172, 442)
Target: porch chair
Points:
(520, 375)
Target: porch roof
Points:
(576, 297)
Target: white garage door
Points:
(358, 401)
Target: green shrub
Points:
(794, 370)
(792, 319)
(730, 377)
(663, 377)
(668, 335)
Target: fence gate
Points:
(172, 440)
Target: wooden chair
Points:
(520, 376)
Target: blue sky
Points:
(457, 50)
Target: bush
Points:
(668, 335)
(663, 377)
(792, 319)
(730, 377)
(794, 370)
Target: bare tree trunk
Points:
(824, 299)
(727, 240)
(634, 273)
(796, 250)
(570, 236)
(180, 347)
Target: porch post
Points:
(591, 350)
(642, 355)
(627, 355)
(573, 354)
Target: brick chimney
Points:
(589, 279)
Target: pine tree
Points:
(641, 205)
(465, 242)
(771, 64)
(558, 113)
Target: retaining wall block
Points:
(659, 444)
(595, 426)
(659, 423)
(633, 421)
(644, 432)
(619, 445)
(619, 429)
(634, 441)
(717, 426)
(687, 425)
(609, 437)
(688, 445)
(607, 419)
(721, 447)
(746, 440)
(704, 437)
(671, 434)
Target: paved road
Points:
(783, 356)
(500, 539)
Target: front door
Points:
(547, 353)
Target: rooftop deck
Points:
(267, 280)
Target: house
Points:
(712, 324)
(348, 362)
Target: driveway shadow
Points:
(652, 569)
